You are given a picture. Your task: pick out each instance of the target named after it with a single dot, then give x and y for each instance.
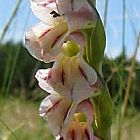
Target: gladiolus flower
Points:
(71, 81)
(72, 77)
(56, 109)
(44, 41)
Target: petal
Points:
(87, 71)
(78, 131)
(87, 132)
(44, 42)
(33, 46)
(86, 107)
(85, 17)
(52, 40)
(46, 11)
(31, 42)
(60, 78)
(66, 6)
(83, 79)
(41, 76)
(54, 108)
(73, 78)
(78, 38)
(74, 132)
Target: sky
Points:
(25, 19)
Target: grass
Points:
(21, 117)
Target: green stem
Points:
(10, 20)
(103, 110)
(94, 54)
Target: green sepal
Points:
(95, 44)
(103, 111)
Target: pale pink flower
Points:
(71, 81)
(58, 24)
(72, 77)
(56, 109)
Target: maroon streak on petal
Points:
(67, 112)
(49, 75)
(57, 38)
(45, 78)
(43, 34)
(71, 92)
(87, 134)
(72, 5)
(63, 76)
(73, 135)
(53, 107)
(82, 72)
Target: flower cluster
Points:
(71, 81)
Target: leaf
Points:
(103, 111)
(94, 54)
(95, 44)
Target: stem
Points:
(119, 129)
(103, 110)
(11, 132)
(105, 12)
(128, 87)
(130, 78)
(10, 20)
(123, 28)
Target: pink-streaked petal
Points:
(86, 107)
(60, 77)
(74, 132)
(69, 118)
(73, 78)
(66, 6)
(87, 132)
(78, 38)
(41, 77)
(31, 41)
(88, 71)
(85, 17)
(52, 40)
(46, 11)
(83, 86)
(78, 131)
(54, 109)
(44, 42)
